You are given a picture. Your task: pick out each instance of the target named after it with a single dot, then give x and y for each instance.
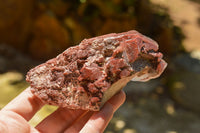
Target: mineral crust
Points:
(87, 75)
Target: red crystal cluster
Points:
(83, 76)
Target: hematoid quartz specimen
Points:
(87, 75)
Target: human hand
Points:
(15, 115)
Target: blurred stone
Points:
(144, 16)
(178, 10)
(185, 89)
(49, 38)
(97, 23)
(48, 25)
(195, 54)
(117, 25)
(106, 8)
(150, 116)
(15, 21)
(13, 60)
(59, 7)
(184, 82)
(78, 31)
(119, 124)
(106, 17)
(135, 90)
(190, 62)
(3, 64)
(159, 26)
(141, 87)
(129, 131)
(165, 40)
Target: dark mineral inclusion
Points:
(87, 75)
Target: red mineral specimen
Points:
(87, 75)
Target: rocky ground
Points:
(170, 104)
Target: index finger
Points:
(25, 104)
(99, 120)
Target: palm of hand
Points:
(14, 117)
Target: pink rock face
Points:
(87, 75)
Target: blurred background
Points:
(33, 31)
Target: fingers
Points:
(117, 100)
(74, 120)
(25, 104)
(12, 122)
(99, 120)
(78, 124)
(59, 120)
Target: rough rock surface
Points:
(87, 75)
